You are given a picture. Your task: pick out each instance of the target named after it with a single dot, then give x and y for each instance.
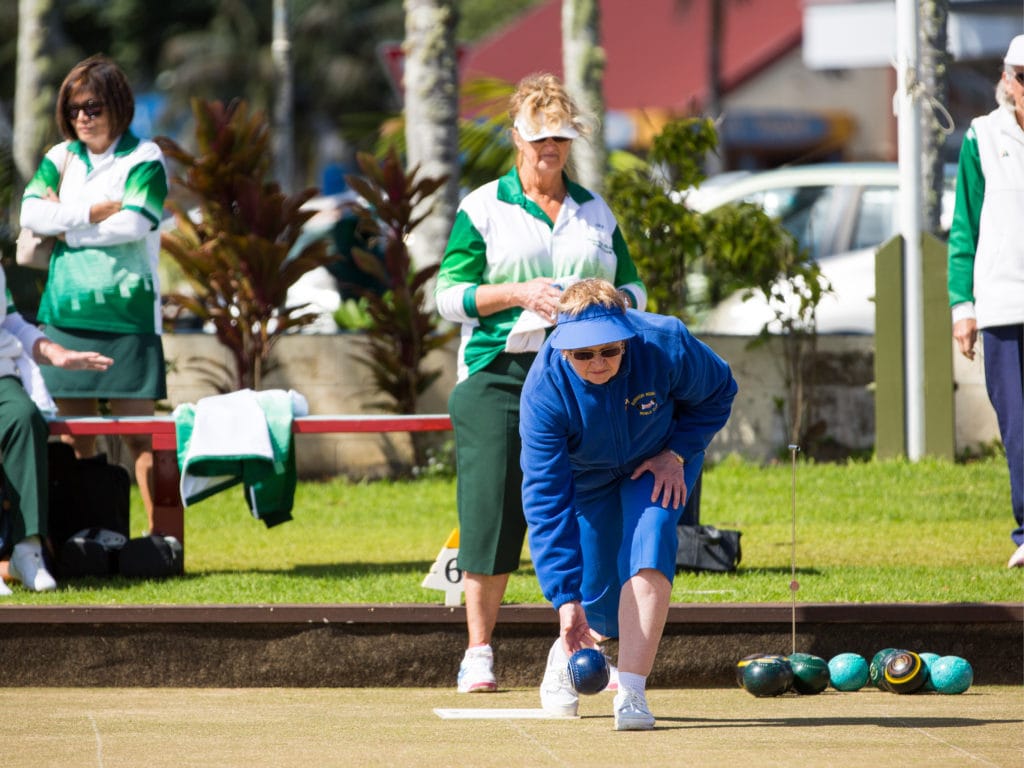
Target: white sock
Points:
(630, 681)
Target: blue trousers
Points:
(621, 532)
(1004, 380)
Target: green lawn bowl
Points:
(810, 673)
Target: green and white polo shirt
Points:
(103, 277)
(501, 236)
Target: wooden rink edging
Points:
(420, 613)
(416, 645)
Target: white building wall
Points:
(863, 94)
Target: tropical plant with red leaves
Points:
(402, 330)
(236, 253)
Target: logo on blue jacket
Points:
(646, 404)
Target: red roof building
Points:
(656, 50)
(657, 69)
(780, 105)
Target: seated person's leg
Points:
(23, 436)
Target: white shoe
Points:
(631, 712)
(476, 673)
(27, 566)
(557, 695)
(1017, 558)
(5, 590)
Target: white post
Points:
(908, 116)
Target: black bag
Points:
(6, 523)
(706, 548)
(90, 552)
(85, 494)
(151, 557)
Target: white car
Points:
(840, 213)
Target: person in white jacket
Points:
(23, 438)
(986, 265)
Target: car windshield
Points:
(803, 211)
(877, 220)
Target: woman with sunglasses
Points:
(515, 243)
(986, 265)
(617, 412)
(101, 192)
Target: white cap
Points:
(561, 130)
(1015, 53)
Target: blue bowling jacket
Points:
(581, 439)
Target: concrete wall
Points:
(845, 390)
(324, 369)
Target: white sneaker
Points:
(5, 591)
(557, 695)
(631, 712)
(27, 566)
(476, 673)
(1017, 558)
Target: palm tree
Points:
(432, 117)
(33, 96)
(583, 61)
(284, 165)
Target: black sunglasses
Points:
(92, 109)
(556, 139)
(1019, 77)
(583, 355)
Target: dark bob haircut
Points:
(105, 80)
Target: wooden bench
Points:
(168, 511)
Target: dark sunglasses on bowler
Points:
(556, 139)
(583, 355)
(92, 109)
(1018, 76)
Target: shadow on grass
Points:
(339, 570)
(832, 722)
(776, 570)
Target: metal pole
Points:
(908, 116)
(794, 585)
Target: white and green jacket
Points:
(501, 236)
(986, 239)
(103, 276)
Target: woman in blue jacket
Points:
(617, 411)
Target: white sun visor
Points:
(562, 130)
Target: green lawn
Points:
(866, 532)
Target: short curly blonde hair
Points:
(541, 99)
(591, 292)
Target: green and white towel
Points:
(241, 437)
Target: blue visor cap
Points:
(592, 327)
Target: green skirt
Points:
(138, 370)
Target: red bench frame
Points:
(168, 511)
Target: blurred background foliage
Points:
(221, 50)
